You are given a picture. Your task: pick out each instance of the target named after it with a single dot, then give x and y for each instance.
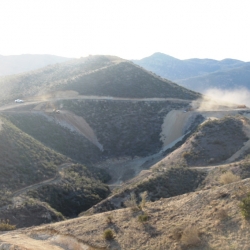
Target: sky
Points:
(131, 29)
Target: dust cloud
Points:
(217, 99)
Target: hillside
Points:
(103, 139)
(10, 65)
(185, 168)
(94, 75)
(227, 79)
(175, 69)
(24, 161)
(28, 165)
(207, 219)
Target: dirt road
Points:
(55, 179)
(40, 99)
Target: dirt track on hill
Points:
(42, 99)
(55, 179)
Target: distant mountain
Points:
(227, 79)
(175, 69)
(22, 63)
(199, 74)
(94, 75)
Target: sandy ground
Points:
(174, 126)
(78, 124)
(40, 241)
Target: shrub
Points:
(228, 177)
(109, 219)
(108, 234)
(131, 202)
(5, 226)
(186, 155)
(245, 207)
(144, 196)
(221, 214)
(177, 233)
(190, 236)
(143, 218)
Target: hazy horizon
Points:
(129, 29)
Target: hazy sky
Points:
(131, 29)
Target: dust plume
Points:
(217, 99)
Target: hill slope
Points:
(95, 75)
(208, 219)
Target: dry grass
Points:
(132, 202)
(109, 219)
(6, 226)
(144, 197)
(228, 177)
(169, 224)
(177, 233)
(221, 214)
(190, 236)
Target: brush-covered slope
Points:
(123, 128)
(79, 188)
(27, 165)
(176, 69)
(48, 131)
(227, 79)
(24, 161)
(214, 142)
(95, 75)
(208, 219)
(10, 65)
(171, 182)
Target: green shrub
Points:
(108, 234)
(143, 218)
(245, 207)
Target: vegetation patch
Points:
(6, 226)
(143, 218)
(108, 234)
(245, 207)
(79, 189)
(24, 161)
(190, 236)
(228, 177)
